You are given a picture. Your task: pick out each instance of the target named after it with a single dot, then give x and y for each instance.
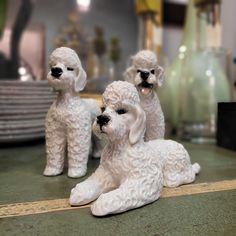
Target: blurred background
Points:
(195, 42)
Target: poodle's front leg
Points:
(79, 136)
(89, 190)
(98, 146)
(131, 194)
(55, 147)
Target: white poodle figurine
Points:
(132, 172)
(69, 119)
(147, 75)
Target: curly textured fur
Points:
(69, 119)
(132, 172)
(146, 61)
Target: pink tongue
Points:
(145, 91)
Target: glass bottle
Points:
(204, 82)
(170, 92)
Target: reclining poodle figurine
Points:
(147, 75)
(132, 172)
(69, 119)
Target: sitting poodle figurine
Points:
(147, 75)
(69, 119)
(132, 172)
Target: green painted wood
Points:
(211, 214)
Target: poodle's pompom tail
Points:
(196, 168)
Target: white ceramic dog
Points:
(132, 172)
(147, 76)
(69, 119)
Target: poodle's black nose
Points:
(103, 120)
(144, 75)
(56, 72)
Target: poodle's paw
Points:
(100, 207)
(77, 197)
(74, 172)
(52, 171)
(98, 147)
(97, 154)
(81, 195)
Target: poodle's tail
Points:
(196, 168)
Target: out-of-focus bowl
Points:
(23, 108)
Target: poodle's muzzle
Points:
(144, 75)
(103, 120)
(56, 72)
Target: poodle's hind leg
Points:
(179, 176)
(55, 148)
(89, 190)
(131, 194)
(178, 169)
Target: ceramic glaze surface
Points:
(69, 119)
(132, 172)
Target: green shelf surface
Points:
(210, 213)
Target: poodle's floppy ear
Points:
(159, 75)
(129, 74)
(80, 80)
(137, 129)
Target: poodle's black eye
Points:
(121, 111)
(70, 68)
(153, 72)
(138, 71)
(103, 109)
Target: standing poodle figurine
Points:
(132, 172)
(69, 119)
(147, 75)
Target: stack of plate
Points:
(23, 107)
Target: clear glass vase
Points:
(204, 82)
(203, 85)
(170, 92)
